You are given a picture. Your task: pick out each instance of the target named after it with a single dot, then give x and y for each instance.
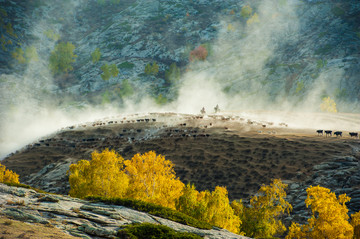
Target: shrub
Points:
(62, 57)
(102, 176)
(199, 53)
(148, 230)
(126, 65)
(329, 219)
(151, 69)
(155, 210)
(321, 63)
(261, 219)
(52, 35)
(95, 56)
(328, 105)
(20, 185)
(8, 176)
(153, 179)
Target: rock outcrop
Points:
(82, 218)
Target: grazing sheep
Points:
(320, 131)
(328, 132)
(338, 133)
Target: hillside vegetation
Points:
(153, 179)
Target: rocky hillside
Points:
(80, 218)
(293, 51)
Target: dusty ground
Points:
(228, 150)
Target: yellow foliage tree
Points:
(102, 176)
(355, 222)
(261, 219)
(329, 219)
(8, 176)
(210, 207)
(328, 105)
(153, 179)
(253, 19)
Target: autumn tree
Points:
(153, 179)
(329, 216)
(199, 53)
(253, 19)
(328, 105)
(355, 222)
(246, 11)
(8, 176)
(62, 57)
(212, 207)
(95, 56)
(102, 176)
(262, 218)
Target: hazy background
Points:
(241, 74)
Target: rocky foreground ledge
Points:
(82, 218)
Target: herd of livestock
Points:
(336, 133)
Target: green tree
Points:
(151, 69)
(262, 218)
(18, 54)
(161, 100)
(95, 56)
(172, 75)
(62, 57)
(126, 89)
(109, 71)
(31, 54)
